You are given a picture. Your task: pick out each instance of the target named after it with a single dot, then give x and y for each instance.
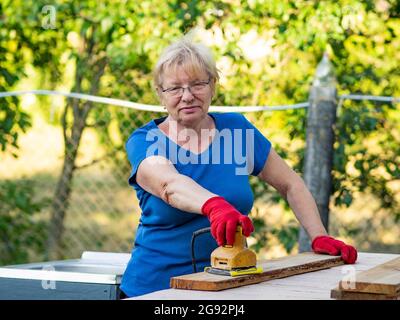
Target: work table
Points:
(315, 285)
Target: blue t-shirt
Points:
(163, 239)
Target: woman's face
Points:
(190, 105)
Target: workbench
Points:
(315, 285)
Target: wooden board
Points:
(348, 295)
(382, 279)
(272, 269)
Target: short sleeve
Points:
(141, 145)
(259, 148)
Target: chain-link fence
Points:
(67, 190)
(71, 175)
(72, 171)
(73, 178)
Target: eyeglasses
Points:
(195, 88)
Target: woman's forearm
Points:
(303, 205)
(184, 193)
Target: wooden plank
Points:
(307, 286)
(383, 279)
(349, 295)
(272, 269)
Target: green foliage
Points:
(362, 167)
(13, 120)
(261, 234)
(22, 233)
(287, 234)
(267, 52)
(361, 39)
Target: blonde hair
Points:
(194, 57)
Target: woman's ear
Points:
(213, 88)
(160, 95)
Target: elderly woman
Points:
(191, 170)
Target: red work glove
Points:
(329, 245)
(223, 219)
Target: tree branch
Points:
(95, 161)
(64, 124)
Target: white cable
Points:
(365, 97)
(370, 97)
(88, 97)
(148, 107)
(155, 108)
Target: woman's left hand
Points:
(333, 247)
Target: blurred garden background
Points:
(63, 167)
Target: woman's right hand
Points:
(223, 219)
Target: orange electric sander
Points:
(235, 260)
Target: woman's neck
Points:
(174, 127)
(195, 138)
